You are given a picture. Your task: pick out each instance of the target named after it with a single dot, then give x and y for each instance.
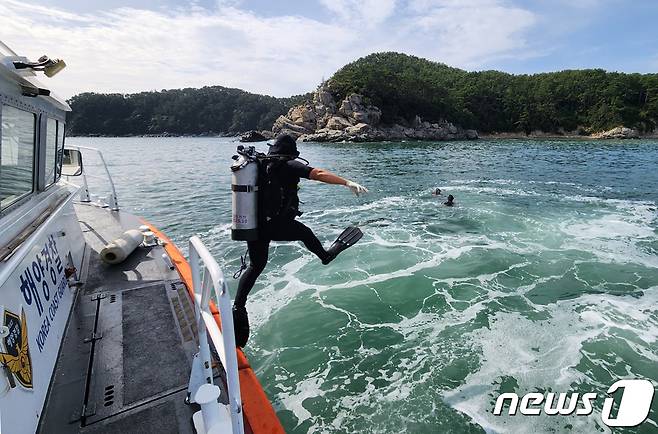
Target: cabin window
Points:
(59, 157)
(51, 152)
(16, 155)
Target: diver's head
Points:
(284, 145)
(451, 198)
(437, 192)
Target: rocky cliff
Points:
(325, 120)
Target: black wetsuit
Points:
(284, 228)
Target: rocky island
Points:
(353, 120)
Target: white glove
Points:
(357, 189)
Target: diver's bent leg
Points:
(257, 262)
(297, 231)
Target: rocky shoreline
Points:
(618, 133)
(322, 119)
(261, 136)
(352, 120)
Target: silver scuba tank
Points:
(244, 187)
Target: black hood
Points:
(284, 145)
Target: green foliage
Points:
(404, 86)
(209, 110)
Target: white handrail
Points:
(114, 204)
(207, 276)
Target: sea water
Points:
(543, 277)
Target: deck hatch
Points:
(140, 357)
(153, 344)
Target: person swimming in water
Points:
(450, 201)
(436, 192)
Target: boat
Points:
(135, 341)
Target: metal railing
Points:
(112, 201)
(208, 280)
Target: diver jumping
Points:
(265, 206)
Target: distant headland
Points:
(391, 96)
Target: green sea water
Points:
(543, 277)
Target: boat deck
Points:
(125, 360)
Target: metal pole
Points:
(228, 334)
(223, 340)
(204, 348)
(84, 191)
(114, 204)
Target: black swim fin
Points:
(347, 239)
(240, 326)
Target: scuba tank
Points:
(244, 201)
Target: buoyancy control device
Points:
(244, 199)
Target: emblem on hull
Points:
(16, 360)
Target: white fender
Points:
(118, 250)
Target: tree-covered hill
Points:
(209, 110)
(402, 86)
(491, 101)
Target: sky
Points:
(287, 47)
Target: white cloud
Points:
(424, 5)
(469, 33)
(584, 4)
(369, 13)
(128, 50)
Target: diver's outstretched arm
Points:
(330, 178)
(327, 177)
